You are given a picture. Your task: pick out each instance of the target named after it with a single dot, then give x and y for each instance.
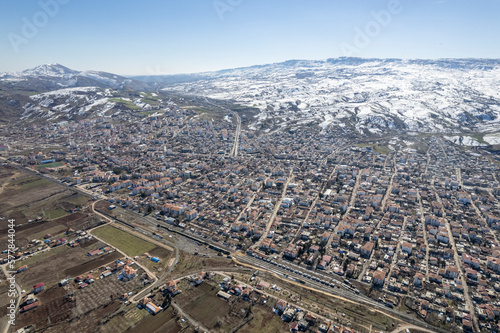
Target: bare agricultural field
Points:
(102, 291)
(26, 232)
(264, 321)
(85, 311)
(190, 263)
(59, 263)
(165, 322)
(27, 196)
(93, 264)
(53, 308)
(124, 319)
(203, 304)
(161, 253)
(4, 299)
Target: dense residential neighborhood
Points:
(405, 228)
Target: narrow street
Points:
(395, 256)
(458, 263)
(275, 210)
(424, 230)
(382, 209)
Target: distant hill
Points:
(369, 96)
(19, 91)
(49, 77)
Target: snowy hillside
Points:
(87, 102)
(372, 96)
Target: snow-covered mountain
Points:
(55, 76)
(371, 96)
(78, 103)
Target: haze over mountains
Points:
(367, 96)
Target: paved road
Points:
(458, 263)
(411, 327)
(382, 209)
(275, 211)
(7, 323)
(234, 149)
(236, 144)
(395, 256)
(424, 230)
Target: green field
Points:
(384, 150)
(125, 103)
(130, 244)
(36, 183)
(147, 113)
(49, 165)
(55, 213)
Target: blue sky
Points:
(182, 36)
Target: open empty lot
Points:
(164, 322)
(203, 304)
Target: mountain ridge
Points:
(371, 96)
(47, 77)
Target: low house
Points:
(245, 294)
(263, 285)
(38, 287)
(366, 250)
(288, 314)
(127, 273)
(152, 308)
(171, 287)
(281, 305)
(406, 247)
(22, 268)
(106, 273)
(378, 278)
(451, 272)
(28, 307)
(224, 295)
(417, 279)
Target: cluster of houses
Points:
(299, 320)
(36, 246)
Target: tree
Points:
(117, 170)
